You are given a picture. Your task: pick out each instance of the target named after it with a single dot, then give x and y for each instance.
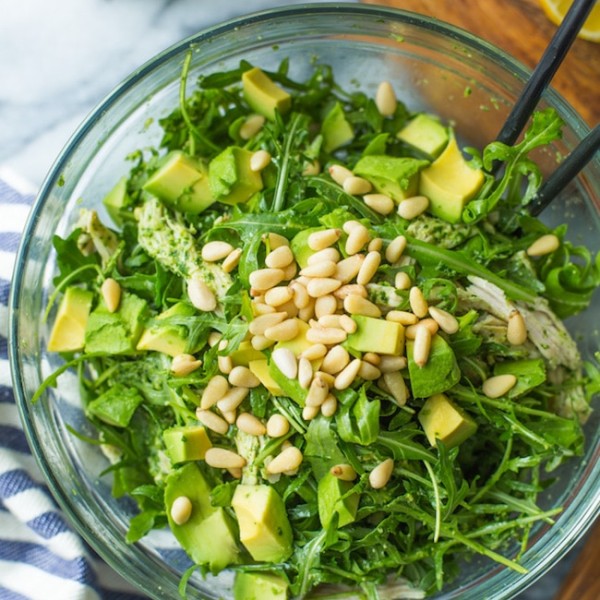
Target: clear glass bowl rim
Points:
(586, 513)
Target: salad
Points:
(323, 343)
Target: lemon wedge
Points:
(557, 9)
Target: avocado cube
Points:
(329, 496)
(529, 373)
(449, 183)
(443, 420)
(118, 332)
(165, 337)
(396, 177)
(245, 353)
(298, 344)
(182, 183)
(425, 133)
(260, 368)
(259, 586)
(376, 335)
(207, 524)
(231, 179)
(336, 130)
(116, 406)
(68, 331)
(186, 443)
(263, 95)
(115, 200)
(440, 373)
(265, 529)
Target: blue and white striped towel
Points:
(41, 557)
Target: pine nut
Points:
(325, 306)
(356, 305)
(380, 203)
(232, 260)
(310, 412)
(348, 226)
(260, 342)
(314, 352)
(395, 249)
(251, 126)
(375, 245)
(330, 320)
(317, 392)
(215, 389)
(287, 460)
(279, 258)
(327, 378)
(385, 99)
(402, 281)
(356, 186)
(413, 207)
(217, 250)
(312, 168)
(258, 309)
(372, 358)
(301, 298)
(368, 268)
(422, 346)
(544, 245)
(319, 240)
(184, 364)
(335, 360)
(250, 424)
(447, 322)
(286, 362)
(225, 364)
(306, 314)
(381, 474)
(368, 371)
(389, 363)
(232, 399)
(181, 510)
(497, 386)
(264, 279)
(339, 174)
(350, 289)
(229, 416)
(329, 407)
(278, 295)
(290, 271)
(347, 376)
(274, 240)
(324, 268)
(220, 458)
(260, 324)
(418, 304)
(214, 338)
(402, 316)
(344, 472)
(348, 324)
(321, 286)
(411, 331)
(348, 268)
(111, 294)
(358, 238)
(395, 384)
(277, 426)
(327, 254)
(305, 373)
(283, 332)
(259, 160)
(516, 331)
(241, 376)
(290, 309)
(201, 296)
(328, 336)
(236, 472)
(213, 421)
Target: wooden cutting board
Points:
(521, 28)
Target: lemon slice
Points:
(557, 9)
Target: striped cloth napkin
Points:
(41, 557)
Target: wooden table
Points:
(521, 28)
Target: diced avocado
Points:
(182, 183)
(443, 420)
(329, 496)
(396, 177)
(259, 586)
(185, 443)
(529, 373)
(377, 145)
(376, 335)
(166, 337)
(290, 387)
(116, 199)
(264, 95)
(440, 373)
(231, 179)
(68, 331)
(449, 183)
(116, 406)
(118, 332)
(300, 248)
(425, 133)
(261, 369)
(336, 130)
(246, 353)
(265, 529)
(207, 524)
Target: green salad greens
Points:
(323, 346)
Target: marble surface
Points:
(59, 59)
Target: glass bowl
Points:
(434, 67)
